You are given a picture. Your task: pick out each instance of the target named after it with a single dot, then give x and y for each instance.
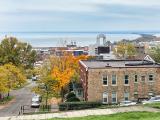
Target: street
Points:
(22, 97)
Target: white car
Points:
(35, 104)
(36, 101)
(37, 98)
(152, 100)
(127, 103)
(34, 78)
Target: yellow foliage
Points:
(65, 67)
(10, 77)
(125, 50)
(3, 80)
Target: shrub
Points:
(73, 99)
(6, 99)
(45, 108)
(78, 105)
(70, 95)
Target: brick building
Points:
(112, 81)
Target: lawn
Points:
(154, 105)
(120, 116)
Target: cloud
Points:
(78, 14)
(128, 2)
(69, 5)
(45, 5)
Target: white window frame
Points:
(125, 94)
(105, 95)
(116, 80)
(125, 80)
(150, 93)
(112, 97)
(103, 80)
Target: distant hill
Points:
(143, 38)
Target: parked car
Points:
(36, 101)
(34, 78)
(35, 104)
(152, 100)
(37, 98)
(127, 103)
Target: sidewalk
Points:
(80, 113)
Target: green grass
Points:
(6, 100)
(119, 116)
(153, 105)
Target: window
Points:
(105, 80)
(126, 96)
(136, 78)
(151, 93)
(79, 92)
(126, 80)
(143, 78)
(150, 77)
(114, 79)
(114, 97)
(105, 97)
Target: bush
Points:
(45, 108)
(73, 99)
(70, 95)
(78, 105)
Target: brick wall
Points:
(94, 89)
(84, 80)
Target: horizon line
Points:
(103, 32)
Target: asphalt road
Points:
(22, 97)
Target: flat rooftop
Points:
(119, 63)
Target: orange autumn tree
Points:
(64, 68)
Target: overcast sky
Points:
(79, 15)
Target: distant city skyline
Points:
(79, 15)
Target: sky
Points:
(79, 15)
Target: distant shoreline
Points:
(54, 39)
(83, 32)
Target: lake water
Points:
(54, 39)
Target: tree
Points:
(46, 86)
(18, 53)
(155, 53)
(56, 73)
(121, 49)
(65, 69)
(125, 50)
(3, 80)
(14, 77)
(131, 51)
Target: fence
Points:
(26, 109)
